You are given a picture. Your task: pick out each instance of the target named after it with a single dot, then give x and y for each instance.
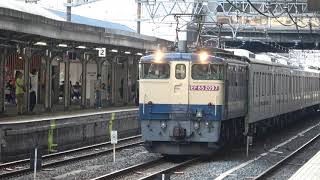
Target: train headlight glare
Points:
(207, 123)
(158, 56)
(163, 124)
(196, 125)
(203, 56)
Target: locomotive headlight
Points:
(196, 125)
(163, 124)
(158, 56)
(203, 56)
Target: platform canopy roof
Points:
(27, 24)
(59, 15)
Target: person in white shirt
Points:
(33, 89)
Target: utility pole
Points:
(69, 10)
(138, 16)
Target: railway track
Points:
(265, 164)
(279, 164)
(20, 167)
(148, 170)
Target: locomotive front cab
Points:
(180, 103)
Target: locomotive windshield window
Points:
(154, 71)
(180, 71)
(207, 72)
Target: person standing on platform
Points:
(33, 89)
(13, 91)
(20, 90)
(98, 90)
(76, 91)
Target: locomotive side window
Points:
(180, 71)
(154, 71)
(207, 72)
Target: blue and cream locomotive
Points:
(192, 103)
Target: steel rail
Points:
(15, 163)
(171, 169)
(129, 170)
(271, 169)
(149, 164)
(66, 161)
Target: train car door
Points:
(179, 86)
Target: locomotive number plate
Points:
(204, 88)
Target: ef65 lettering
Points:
(204, 88)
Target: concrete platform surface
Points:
(62, 115)
(310, 170)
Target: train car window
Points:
(278, 85)
(207, 72)
(274, 84)
(262, 84)
(290, 85)
(154, 71)
(257, 83)
(180, 71)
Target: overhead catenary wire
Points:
(265, 15)
(296, 23)
(275, 17)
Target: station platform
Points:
(44, 116)
(58, 131)
(310, 170)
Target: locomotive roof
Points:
(216, 57)
(194, 57)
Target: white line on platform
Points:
(230, 171)
(52, 117)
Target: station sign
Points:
(102, 52)
(114, 137)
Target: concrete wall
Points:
(17, 140)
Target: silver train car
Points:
(193, 103)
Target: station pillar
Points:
(125, 88)
(3, 57)
(67, 99)
(84, 83)
(27, 57)
(132, 77)
(113, 80)
(48, 74)
(99, 65)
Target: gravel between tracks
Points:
(293, 165)
(230, 158)
(69, 155)
(271, 158)
(95, 167)
(209, 169)
(146, 171)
